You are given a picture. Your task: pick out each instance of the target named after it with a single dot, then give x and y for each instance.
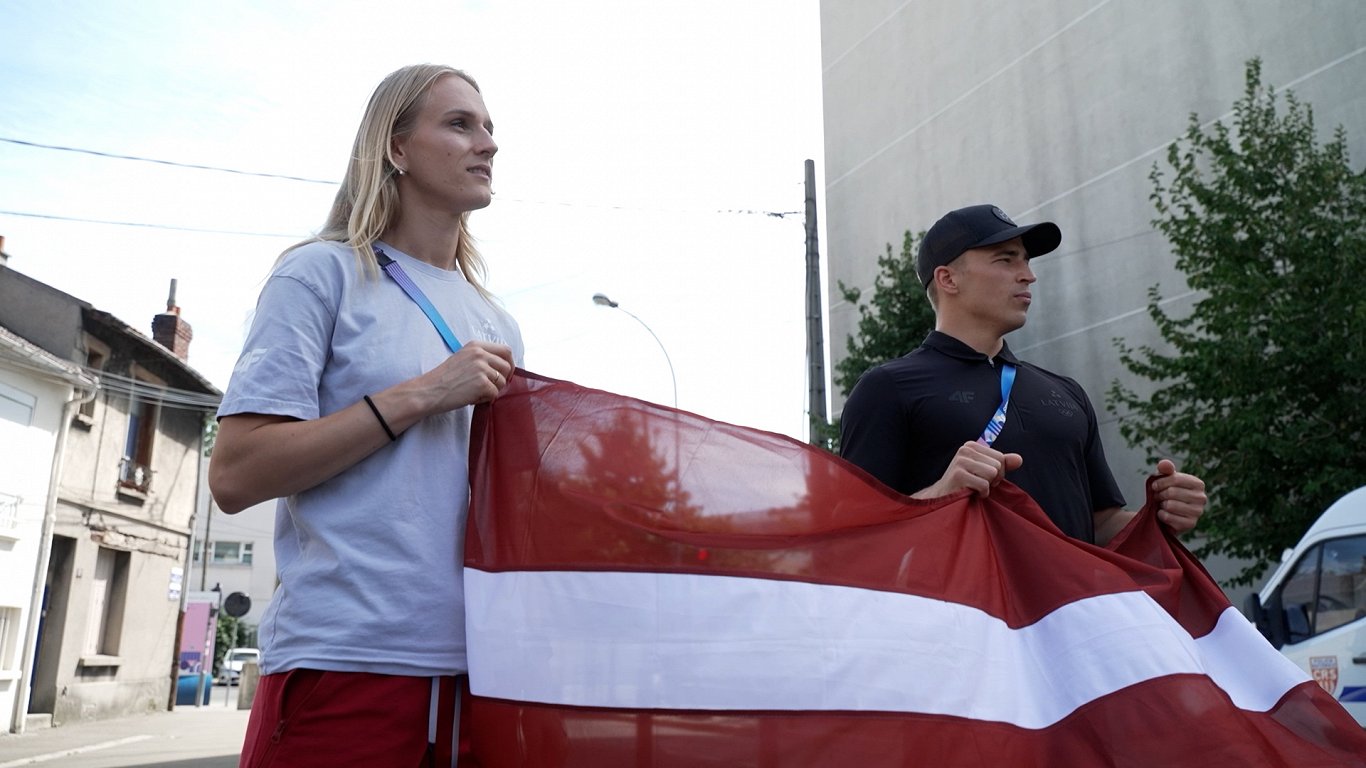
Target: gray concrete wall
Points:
(42, 314)
(255, 524)
(1057, 110)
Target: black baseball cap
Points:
(978, 226)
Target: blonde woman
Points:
(349, 407)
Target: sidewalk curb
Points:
(185, 726)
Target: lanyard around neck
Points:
(395, 270)
(998, 419)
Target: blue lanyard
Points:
(998, 419)
(395, 270)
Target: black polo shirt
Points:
(906, 418)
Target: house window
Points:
(9, 512)
(136, 468)
(1327, 588)
(231, 552)
(1342, 585)
(108, 593)
(16, 405)
(9, 641)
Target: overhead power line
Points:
(148, 225)
(155, 393)
(287, 177)
(296, 235)
(194, 166)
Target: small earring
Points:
(400, 171)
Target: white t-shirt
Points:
(369, 562)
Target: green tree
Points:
(894, 321)
(225, 637)
(1260, 386)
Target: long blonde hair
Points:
(367, 203)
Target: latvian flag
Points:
(646, 587)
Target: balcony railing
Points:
(9, 511)
(134, 475)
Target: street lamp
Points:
(602, 301)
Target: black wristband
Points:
(382, 422)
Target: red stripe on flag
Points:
(1167, 722)
(618, 484)
(566, 478)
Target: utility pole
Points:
(815, 332)
(204, 548)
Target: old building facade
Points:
(124, 506)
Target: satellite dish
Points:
(236, 605)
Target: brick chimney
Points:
(170, 331)
(4, 257)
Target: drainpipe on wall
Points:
(19, 720)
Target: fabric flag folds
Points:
(646, 587)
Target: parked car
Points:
(231, 669)
(1313, 608)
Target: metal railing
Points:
(134, 475)
(9, 511)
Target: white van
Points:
(1313, 608)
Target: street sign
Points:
(236, 605)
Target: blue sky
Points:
(641, 144)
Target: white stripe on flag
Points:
(701, 642)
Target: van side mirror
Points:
(1270, 622)
(1296, 618)
(1256, 613)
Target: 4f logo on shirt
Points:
(249, 359)
(962, 397)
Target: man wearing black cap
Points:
(962, 411)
